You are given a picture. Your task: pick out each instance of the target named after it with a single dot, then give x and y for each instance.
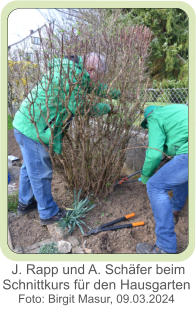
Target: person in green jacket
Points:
(42, 119)
(168, 135)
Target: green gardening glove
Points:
(144, 179)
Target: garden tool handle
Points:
(136, 173)
(106, 228)
(135, 224)
(118, 220)
(129, 215)
(141, 223)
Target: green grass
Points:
(9, 124)
(156, 103)
(13, 202)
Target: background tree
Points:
(22, 76)
(169, 47)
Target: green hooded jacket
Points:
(32, 117)
(167, 133)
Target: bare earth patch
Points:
(26, 231)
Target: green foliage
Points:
(12, 202)
(49, 249)
(154, 103)
(168, 84)
(10, 119)
(80, 209)
(169, 47)
(184, 75)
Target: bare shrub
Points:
(93, 145)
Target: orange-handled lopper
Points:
(108, 226)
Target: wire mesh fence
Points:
(164, 96)
(174, 95)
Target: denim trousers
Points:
(172, 176)
(36, 176)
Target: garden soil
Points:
(126, 198)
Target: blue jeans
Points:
(172, 176)
(36, 176)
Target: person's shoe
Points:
(54, 219)
(176, 216)
(145, 248)
(23, 209)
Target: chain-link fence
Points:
(164, 96)
(174, 95)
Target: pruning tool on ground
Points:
(109, 226)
